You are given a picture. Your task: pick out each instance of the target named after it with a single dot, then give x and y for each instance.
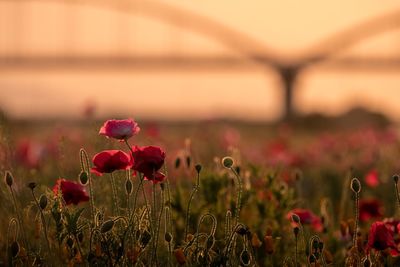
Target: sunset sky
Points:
(289, 28)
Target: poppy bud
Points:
(145, 238)
(9, 178)
(177, 163)
(180, 256)
(128, 186)
(14, 248)
(198, 168)
(242, 230)
(188, 161)
(295, 218)
(43, 202)
(245, 258)
(107, 226)
(83, 177)
(227, 162)
(255, 241)
(355, 185)
(168, 237)
(32, 185)
(396, 178)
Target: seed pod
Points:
(177, 163)
(14, 248)
(43, 202)
(180, 256)
(227, 162)
(83, 177)
(245, 258)
(255, 241)
(9, 178)
(198, 168)
(355, 185)
(168, 237)
(128, 186)
(107, 226)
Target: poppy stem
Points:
(194, 191)
(43, 220)
(239, 195)
(84, 158)
(19, 216)
(115, 198)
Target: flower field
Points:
(211, 193)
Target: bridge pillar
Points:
(289, 77)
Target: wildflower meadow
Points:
(126, 193)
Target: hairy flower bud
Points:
(9, 178)
(43, 202)
(355, 185)
(83, 177)
(107, 226)
(198, 168)
(227, 162)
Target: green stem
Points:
(43, 221)
(115, 197)
(194, 191)
(239, 195)
(20, 221)
(84, 158)
(356, 221)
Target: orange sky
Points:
(288, 27)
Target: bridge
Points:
(252, 54)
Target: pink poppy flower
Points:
(149, 160)
(307, 217)
(109, 161)
(119, 129)
(72, 192)
(380, 237)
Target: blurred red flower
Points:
(29, 153)
(380, 237)
(370, 209)
(372, 179)
(119, 129)
(149, 160)
(72, 192)
(307, 217)
(109, 161)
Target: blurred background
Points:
(198, 60)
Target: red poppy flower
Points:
(72, 192)
(119, 129)
(307, 217)
(372, 179)
(369, 209)
(149, 160)
(380, 237)
(109, 161)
